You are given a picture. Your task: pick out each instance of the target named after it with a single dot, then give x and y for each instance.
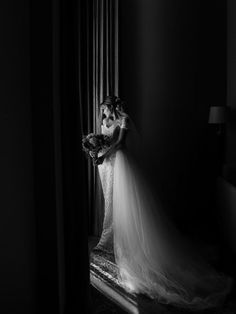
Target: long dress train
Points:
(151, 255)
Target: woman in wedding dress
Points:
(151, 255)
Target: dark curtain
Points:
(98, 57)
(60, 182)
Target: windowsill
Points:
(111, 294)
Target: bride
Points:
(151, 255)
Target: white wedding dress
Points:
(151, 255)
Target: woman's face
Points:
(107, 111)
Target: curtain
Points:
(99, 56)
(60, 176)
(74, 64)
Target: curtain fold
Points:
(74, 88)
(43, 154)
(60, 176)
(101, 57)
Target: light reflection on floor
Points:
(104, 277)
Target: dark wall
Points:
(172, 58)
(231, 91)
(17, 270)
(227, 184)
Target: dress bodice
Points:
(108, 130)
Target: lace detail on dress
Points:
(106, 172)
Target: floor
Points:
(109, 297)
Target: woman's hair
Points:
(115, 105)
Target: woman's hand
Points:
(98, 161)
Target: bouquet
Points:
(92, 144)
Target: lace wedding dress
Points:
(151, 255)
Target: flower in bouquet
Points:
(93, 143)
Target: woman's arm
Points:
(117, 143)
(113, 148)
